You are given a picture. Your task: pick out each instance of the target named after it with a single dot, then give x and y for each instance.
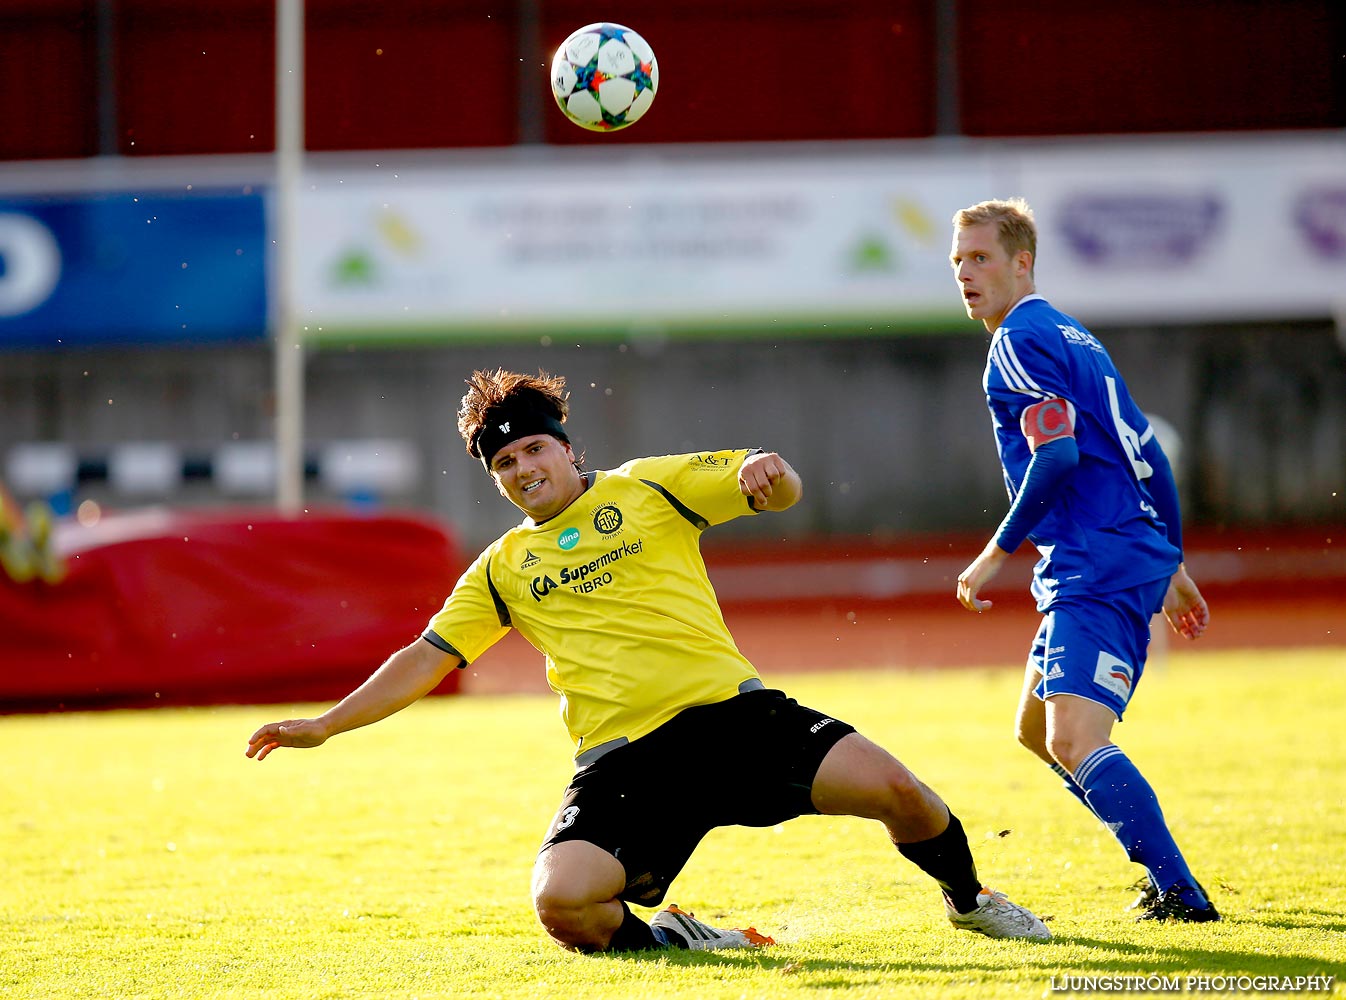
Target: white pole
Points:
(289, 347)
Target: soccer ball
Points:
(604, 77)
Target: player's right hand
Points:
(290, 733)
(978, 573)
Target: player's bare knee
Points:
(1033, 742)
(565, 920)
(908, 799)
(1067, 751)
(1026, 739)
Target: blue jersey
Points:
(1102, 532)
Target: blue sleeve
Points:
(1051, 466)
(1163, 491)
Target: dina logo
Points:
(529, 560)
(569, 539)
(608, 518)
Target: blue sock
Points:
(1120, 796)
(1072, 786)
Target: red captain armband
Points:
(1047, 421)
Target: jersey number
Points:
(567, 817)
(1130, 439)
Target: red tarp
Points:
(162, 607)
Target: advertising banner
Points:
(1217, 230)
(131, 268)
(786, 245)
(1142, 230)
(771, 240)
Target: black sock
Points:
(633, 935)
(948, 860)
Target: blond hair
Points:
(1013, 220)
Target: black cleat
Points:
(1169, 905)
(1149, 894)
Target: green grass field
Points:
(145, 856)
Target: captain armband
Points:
(1048, 421)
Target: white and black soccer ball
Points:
(604, 77)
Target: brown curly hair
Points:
(489, 393)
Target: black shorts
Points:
(748, 761)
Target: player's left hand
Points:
(1184, 607)
(761, 476)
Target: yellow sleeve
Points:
(472, 619)
(705, 482)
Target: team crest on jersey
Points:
(1114, 675)
(608, 519)
(529, 560)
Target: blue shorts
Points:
(1094, 646)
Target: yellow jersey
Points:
(614, 592)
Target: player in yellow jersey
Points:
(675, 733)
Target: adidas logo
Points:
(1055, 673)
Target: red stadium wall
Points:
(1059, 67)
(48, 79)
(198, 77)
(864, 603)
(163, 609)
(759, 70)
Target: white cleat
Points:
(995, 916)
(698, 936)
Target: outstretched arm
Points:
(770, 482)
(406, 676)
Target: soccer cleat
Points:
(1149, 894)
(1171, 906)
(686, 931)
(995, 916)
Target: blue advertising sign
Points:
(122, 268)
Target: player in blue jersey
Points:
(1091, 488)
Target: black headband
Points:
(508, 425)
